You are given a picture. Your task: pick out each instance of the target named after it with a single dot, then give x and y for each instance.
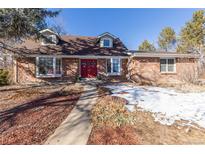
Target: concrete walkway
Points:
(76, 127)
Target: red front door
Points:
(88, 68)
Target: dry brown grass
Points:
(143, 128)
(111, 111)
(180, 87)
(153, 132)
(185, 87)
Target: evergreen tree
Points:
(167, 39)
(193, 33)
(146, 46)
(17, 24)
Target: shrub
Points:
(111, 111)
(4, 77)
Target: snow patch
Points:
(167, 105)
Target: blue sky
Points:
(132, 26)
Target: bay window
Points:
(48, 67)
(167, 65)
(113, 66)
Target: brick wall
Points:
(147, 70)
(26, 71)
(70, 68)
(102, 70)
(141, 70)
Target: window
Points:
(167, 65)
(50, 39)
(106, 43)
(113, 66)
(48, 66)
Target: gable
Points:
(106, 40)
(49, 37)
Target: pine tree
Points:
(192, 34)
(167, 39)
(146, 46)
(17, 24)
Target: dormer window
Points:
(106, 42)
(49, 39)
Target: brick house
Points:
(55, 57)
(163, 67)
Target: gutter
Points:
(165, 55)
(74, 56)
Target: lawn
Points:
(159, 116)
(30, 114)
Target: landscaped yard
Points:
(166, 105)
(30, 114)
(124, 114)
(154, 116)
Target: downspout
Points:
(128, 71)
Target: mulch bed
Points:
(124, 135)
(32, 122)
(105, 131)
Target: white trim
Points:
(102, 42)
(54, 40)
(108, 34)
(167, 65)
(78, 56)
(48, 30)
(15, 70)
(119, 67)
(54, 68)
(165, 55)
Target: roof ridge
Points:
(70, 35)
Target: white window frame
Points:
(119, 67)
(167, 65)
(54, 40)
(110, 44)
(54, 68)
